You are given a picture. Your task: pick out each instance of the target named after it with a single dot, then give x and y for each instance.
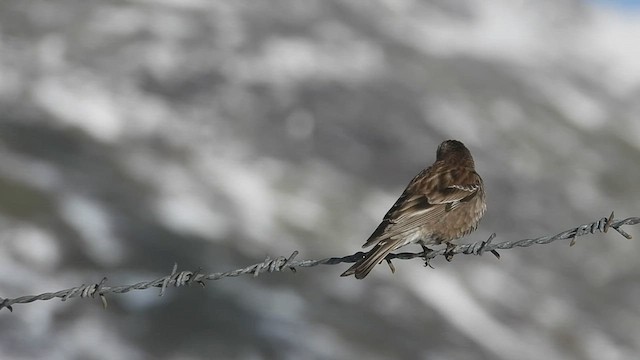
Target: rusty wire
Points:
(282, 263)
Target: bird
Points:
(444, 202)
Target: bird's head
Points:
(454, 150)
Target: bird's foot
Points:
(426, 251)
(448, 253)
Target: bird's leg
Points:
(448, 253)
(425, 252)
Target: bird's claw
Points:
(425, 252)
(448, 253)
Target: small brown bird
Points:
(442, 203)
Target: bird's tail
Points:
(363, 266)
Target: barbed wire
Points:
(282, 263)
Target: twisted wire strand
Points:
(282, 263)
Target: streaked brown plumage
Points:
(442, 203)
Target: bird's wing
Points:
(426, 200)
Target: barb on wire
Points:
(282, 263)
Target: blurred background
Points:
(136, 134)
